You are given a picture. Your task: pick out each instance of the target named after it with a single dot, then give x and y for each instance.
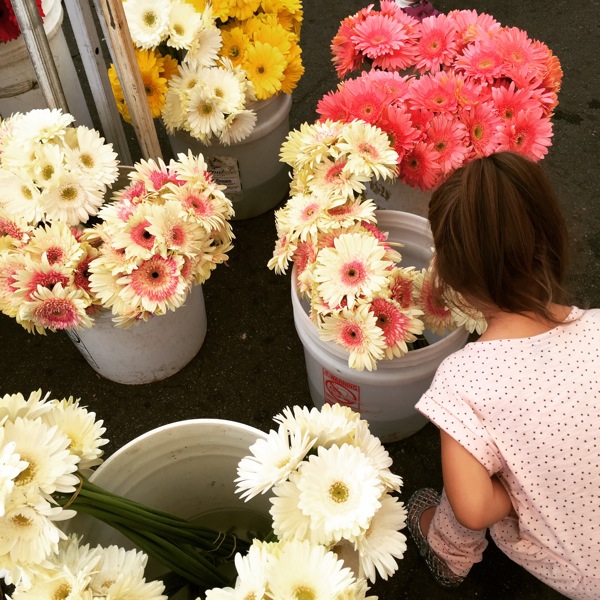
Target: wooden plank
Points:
(34, 36)
(90, 49)
(114, 23)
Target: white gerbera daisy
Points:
(50, 464)
(87, 152)
(354, 267)
(340, 491)
(238, 126)
(191, 167)
(20, 196)
(71, 198)
(184, 25)
(377, 454)
(82, 429)
(383, 542)
(103, 280)
(306, 214)
(331, 176)
(305, 571)
(272, 460)
(225, 85)
(204, 49)
(49, 163)
(120, 574)
(13, 406)
(282, 255)
(368, 150)
(148, 21)
(10, 466)
(41, 125)
(204, 113)
(28, 534)
(357, 332)
(329, 425)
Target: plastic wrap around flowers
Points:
(204, 64)
(165, 231)
(446, 89)
(360, 296)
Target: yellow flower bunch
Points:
(156, 69)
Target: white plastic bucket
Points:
(385, 397)
(397, 195)
(186, 468)
(19, 89)
(149, 350)
(256, 179)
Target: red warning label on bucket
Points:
(338, 391)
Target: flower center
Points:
(69, 193)
(304, 593)
(21, 521)
(149, 19)
(178, 29)
(478, 132)
(62, 592)
(27, 474)
(26, 192)
(339, 492)
(87, 161)
(47, 172)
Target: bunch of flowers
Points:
(48, 448)
(446, 89)
(163, 233)
(334, 509)
(204, 63)
(9, 27)
(359, 295)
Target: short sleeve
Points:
(449, 409)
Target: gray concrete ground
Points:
(251, 364)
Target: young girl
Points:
(518, 410)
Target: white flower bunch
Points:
(51, 170)
(43, 442)
(332, 489)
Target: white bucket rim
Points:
(385, 218)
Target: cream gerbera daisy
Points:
(238, 125)
(224, 84)
(51, 466)
(41, 125)
(148, 21)
(354, 267)
(272, 460)
(368, 150)
(305, 215)
(289, 521)
(340, 491)
(204, 115)
(191, 167)
(87, 152)
(204, 49)
(120, 574)
(184, 24)
(20, 196)
(82, 429)
(49, 162)
(332, 176)
(383, 542)
(329, 425)
(357, 332)
(10, 467)
(71, 199)
(58, 243)
(13, 406)
(303, 570)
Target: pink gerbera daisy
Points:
(401, 286)
(437, 317)
(304, 254)
(334, 106)
(528, 133)
(366, 105)
(345, 56)
(398, 326)
(392, 86)
(437, 45)
(397, 123)
(509, 101)
(436, 93)
(480, 61)
(517, 50)
(134, 192)
(378, 35)
(472, 26)
(9, 227)
(482, 122)
(449, 137)
(36, 275)
(157, 284)
(420, 167)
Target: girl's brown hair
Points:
(500, 236)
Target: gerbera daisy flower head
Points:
(377, 35)
(184, 24)
(528, 133)
(436, 316)
(420, 166)
(265, 67)
(482, 122)
(204, 48)
(235, 42)
(449, 137)
(148, 21)
(437, 44)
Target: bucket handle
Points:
(17, 89)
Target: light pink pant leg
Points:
(458, 546)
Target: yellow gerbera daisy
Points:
(276, 36)
(293, 71)
(243, 9)
(235, 42)
(264, 65)
(154, 84)
(169, 67)
(117, 90)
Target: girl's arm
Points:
(477, 499)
